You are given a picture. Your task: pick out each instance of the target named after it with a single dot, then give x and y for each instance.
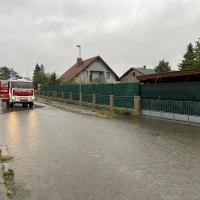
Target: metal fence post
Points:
(70, 96)
(80, 99)
(94, 100)
(111, 101)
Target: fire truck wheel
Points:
(11, 105)
(25, 105)
(30, 105)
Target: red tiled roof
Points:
(75, 70)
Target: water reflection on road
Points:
(61, 155)
(13, 129)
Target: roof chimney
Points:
(79, 61)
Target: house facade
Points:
(92, 70)
(132, 73)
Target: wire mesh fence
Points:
(88, 98)
(124, 102)
(181, 107)
(103, 100)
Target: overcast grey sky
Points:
(126, 33)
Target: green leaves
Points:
(6, 73)
(197, 54)
(40, 77)
(163, 66)
(191, 58)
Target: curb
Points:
(7, 189)
(71, 108)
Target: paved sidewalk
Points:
(72, 107)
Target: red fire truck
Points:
(4, 92)
(21, 92)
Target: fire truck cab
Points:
(21, 92)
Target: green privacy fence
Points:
(87, 98)
(75, 96)
(123, 93)
(180, 107)
(103, 100)
(180, 97)
(125, 101)
(118, 89)
(180, 91)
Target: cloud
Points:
(125, 33)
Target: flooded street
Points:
(61, 155)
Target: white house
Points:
(91, 70)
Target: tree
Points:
(197, 54)
(163, 66)
(37, 69)
(39, 76)
(52, 78)
(189, 59)
(5, 73)
(14, 74)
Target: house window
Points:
(133, 73)
(97, 76)
(107, 75)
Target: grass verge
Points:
(5, 158)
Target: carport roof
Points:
(174, 76)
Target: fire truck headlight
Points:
(32, 98)
(13, 98)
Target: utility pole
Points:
(27, 73)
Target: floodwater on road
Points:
(61, 155)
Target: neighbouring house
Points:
(132, 73)
(92, 70)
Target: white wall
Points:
(96, 66)
(130, 78)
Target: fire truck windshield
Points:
(20, 84)
(4, 83)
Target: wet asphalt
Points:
(61, 155)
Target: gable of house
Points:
(93, 69)
(132, 73)
(97, 72)
(130, 76)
